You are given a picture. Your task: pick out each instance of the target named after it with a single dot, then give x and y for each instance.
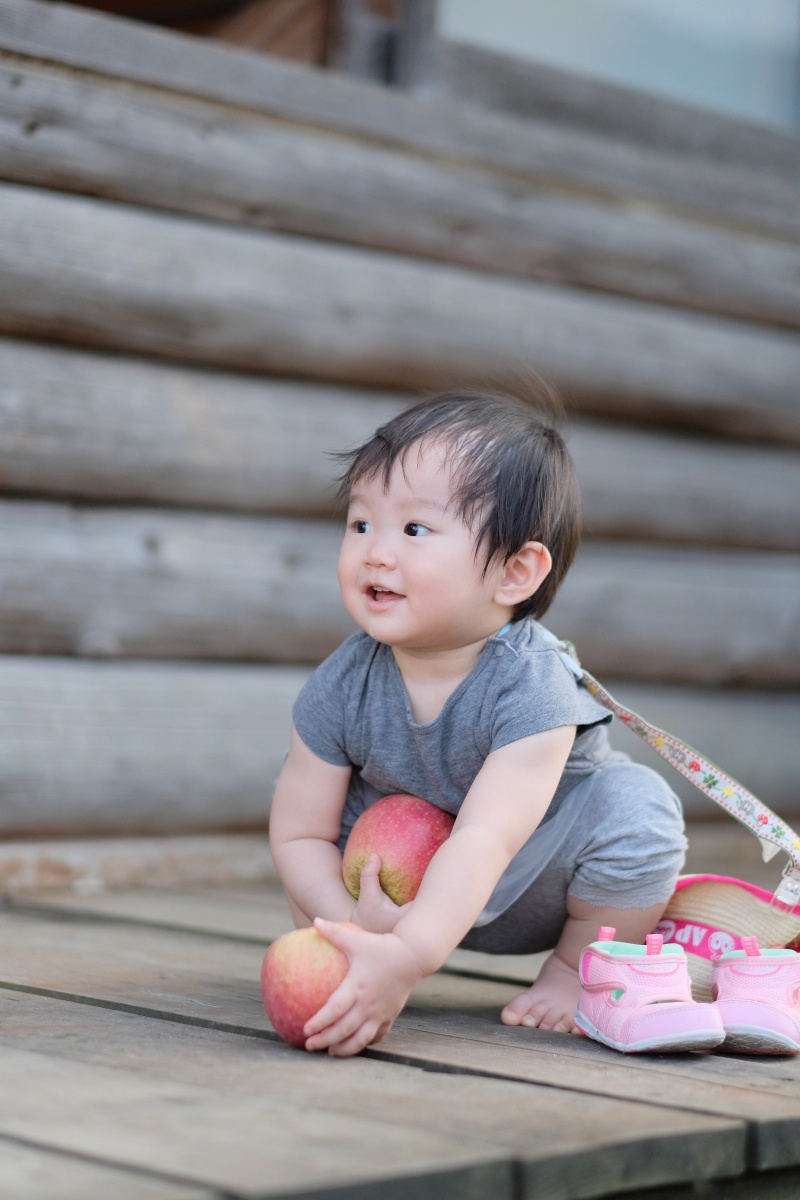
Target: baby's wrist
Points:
(423, 963)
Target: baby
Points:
(463, 517)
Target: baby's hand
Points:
(375, 911)
(361, 1011)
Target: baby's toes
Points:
(558, 1021)
(542, 1016)
(518, 1009)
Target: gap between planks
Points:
(435, 1031)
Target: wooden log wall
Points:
(215, 268)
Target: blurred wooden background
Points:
(216, 266)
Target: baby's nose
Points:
(380, 552)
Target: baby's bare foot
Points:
(550, 1002)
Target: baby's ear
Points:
(523, 574)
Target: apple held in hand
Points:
(405, 832)
(300, 971)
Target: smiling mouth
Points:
(382, 595)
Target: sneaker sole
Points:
(750, 1039)
(671, 1043)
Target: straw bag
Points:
(709, 914)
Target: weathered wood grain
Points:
(107, 427)
(37, 1173)
(146, 147)
(683, 614)
(93, 864)
(580, 1063)
(113, 428)
(773, 1185)
(249, 1145)
(571, 1145)
(666, 487)
(700, 174)
(116, 748)
(257, 912)
(158, 584)
(214, 982)
(742, 731)
(108, 276)
(535, 90)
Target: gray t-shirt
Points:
(354, 711)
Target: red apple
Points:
(405, 832)
(300, 971)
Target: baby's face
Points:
(407, 566)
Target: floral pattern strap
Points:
(772, 832)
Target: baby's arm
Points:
(503, 807)
(304, 825)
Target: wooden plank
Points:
(710, 1082)
(250, 1145)
(104, 275)
(120, 748)
(449, 1022)
(111, 428)
(535, 90)
(698, 176)
(93, 864)
(685, 615)
(564, 1145)
(774, 1185)
(256, 913)
(35, 1173)
(741, 731)
(675, 488)
(146, 147)
(213, 982)
(232, 905)
(115, 428)
(114, 748)
(160, 584)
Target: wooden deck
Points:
(137, 1062)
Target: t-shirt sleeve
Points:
(319, 711)
(541, 693)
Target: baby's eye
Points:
(359, 526)
(414, 529)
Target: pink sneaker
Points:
(758, 996)
(636, 998)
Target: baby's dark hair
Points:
(512, 476)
